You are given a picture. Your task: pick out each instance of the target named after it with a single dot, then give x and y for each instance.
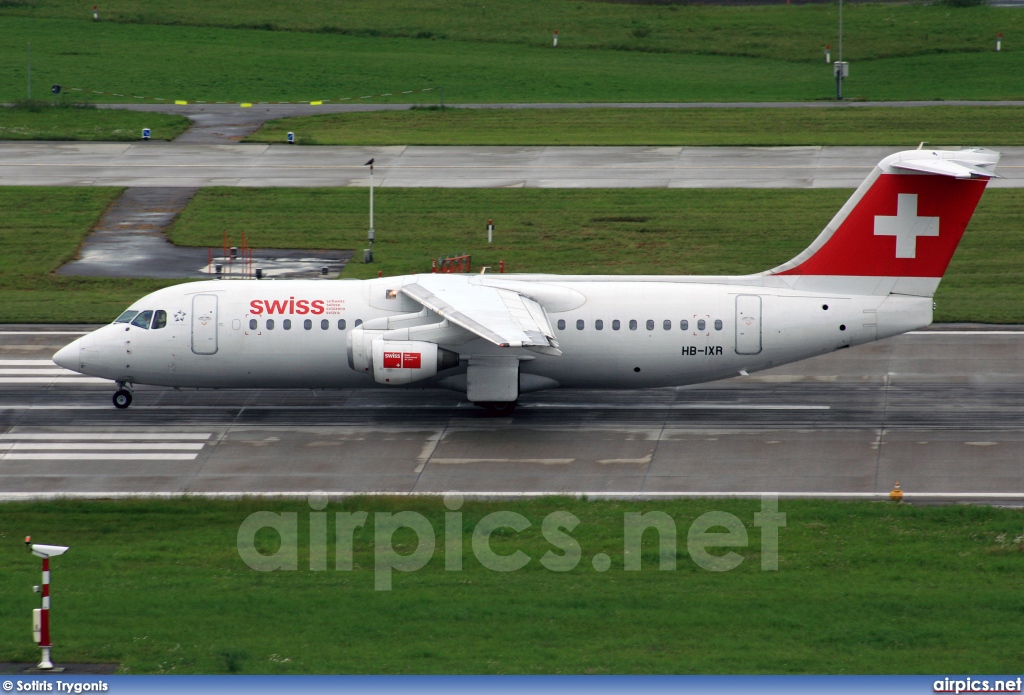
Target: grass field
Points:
(790, 33)
(861, 588)
(939, 125)
(41, 229)
(251, 65)
(600, 231)
(581, 231)
(42, 121)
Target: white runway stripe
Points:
(101, 446)
(53, 380)
(92, 446)
(93, 436)
(27, 363)
(98, 457)
(55, 371)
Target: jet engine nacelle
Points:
(405, 361)
(360, 348)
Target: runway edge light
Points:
(897, 494)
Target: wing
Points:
(502, 317)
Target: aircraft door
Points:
(204, 324)
(748, 324)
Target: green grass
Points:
(40, 230)
(938, 125)
(861, 588)
(628, 231)
(43, 121)
(248, 65)
(791, 33)
(620, 231)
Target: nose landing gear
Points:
(123, 396)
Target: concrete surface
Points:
(940, 411)
(171, 164)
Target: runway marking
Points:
(43, 332)
(98, 457)
(525, 406)
(27, 363)
(1017, 333)
(98, 446)
(52, 370)
(485, 495)
(53, 380)
(106, 435)
(542, 462)
(84, 446)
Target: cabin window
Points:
(650, 324)
(667, 325)
(252, 324)
(632, 324)
(143, 319)
(599, 325)
(358, 323)
(615, 325)
(684, 325)
(701, 325)
(270, 324)
(390, 294)
(160, 319)
(126, 317)
(718, 324)
(287, 324)
(324, 324)
(561, 324)
(579, 324)
(341, 324)
(307, 324)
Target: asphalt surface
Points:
(939, 411)
(179, 165)
(229, 123)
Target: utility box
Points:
(841, 69)
(37, 625)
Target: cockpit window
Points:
(143, 319)
(126, 317)
(159, 319)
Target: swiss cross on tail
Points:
(905, 220)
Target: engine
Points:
(397, 362)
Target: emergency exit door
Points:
(748, 324)
(204, 324)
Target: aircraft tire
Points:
(122, 399)
(499, 407)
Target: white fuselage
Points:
(613, 333)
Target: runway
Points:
(941, 411)
(259, 165)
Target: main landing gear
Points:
(498, 407)
(123, 396)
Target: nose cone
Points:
(69, 356)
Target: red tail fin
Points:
(904, 222)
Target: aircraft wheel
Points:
(499, 407)
(122, 399)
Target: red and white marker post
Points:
(45, 552)
(828, 53)
(999, 41)
(555, 43)
(95, 13)
(490, 231)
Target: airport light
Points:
(368, 253)
(45, 552)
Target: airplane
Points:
(869, 275)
